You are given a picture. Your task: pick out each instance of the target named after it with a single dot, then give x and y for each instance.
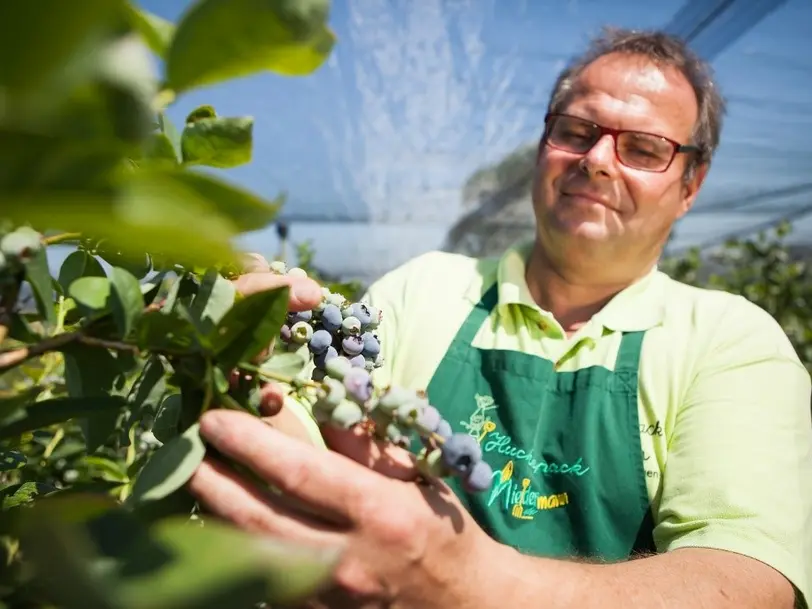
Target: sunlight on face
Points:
(617, 209)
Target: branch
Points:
(61, 238)
(15, 357)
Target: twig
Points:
(61, 238)
(15, 357)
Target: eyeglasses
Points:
(635, 149)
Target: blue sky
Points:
(420, 93)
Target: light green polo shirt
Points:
(724, 402)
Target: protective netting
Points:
(415, 135)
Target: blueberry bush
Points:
(107, 362)
(109, 357)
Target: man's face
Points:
(613, 208)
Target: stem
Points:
(281, 378)
(60, 433)
(61, 238)
(11, 358)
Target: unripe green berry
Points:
(350, 326)
(338, 367)
(301, 332)
(296, 272)
(278, 267)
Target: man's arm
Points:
(698, 578)
(734, 514)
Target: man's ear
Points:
(690, 188)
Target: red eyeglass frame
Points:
(676, 147)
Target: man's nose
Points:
(602, 154)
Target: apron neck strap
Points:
(628, 357)
(478, 315)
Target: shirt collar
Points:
(639, 307)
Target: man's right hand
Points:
(304, 294)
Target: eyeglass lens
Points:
(634, 149)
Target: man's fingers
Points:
(304, 292)
(227, 496)
(327, 481)
(378, 455)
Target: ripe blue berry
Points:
(331, 318)
(371, 345)
(320, 359)
(284, 333)
(429, 418)
(361, 313)
(358, 362)
(444, 430)
(320, 341)
(352, 345)
(461, 452)
(358, 384)
(479, 477)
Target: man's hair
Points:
(665, 50)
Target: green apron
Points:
(564, 446)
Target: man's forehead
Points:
(636, 85)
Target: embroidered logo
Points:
(518, 499)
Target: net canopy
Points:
(418, 133)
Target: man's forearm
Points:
(692, 577)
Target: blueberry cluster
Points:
(345, 350)
(335, 327)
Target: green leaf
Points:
(218, 142)
(158, 331)
(289, 364)
(146, 393)
(214, 298)
(170, 467)
(139, 265)
(246, 211)
(219, 40)
(165, 426)
(11, 460)
(157, 31)
(19, 494)
(64, 28)
(57, 410)
(39, 276)
(249, 327)
(62, 554)
(11, 402)
(197, 576)
(127, 301)
(91, 292)
(78, 264)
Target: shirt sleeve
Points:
(738, 474)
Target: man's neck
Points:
(572, 297)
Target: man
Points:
(651, 442)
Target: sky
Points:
(373, 148)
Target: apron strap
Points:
(628, 357)
(478, 315)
